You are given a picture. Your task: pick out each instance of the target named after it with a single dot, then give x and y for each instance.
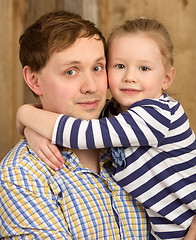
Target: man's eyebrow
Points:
(101, 59)
(71, 62)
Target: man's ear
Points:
(169, 78)
(31, 79)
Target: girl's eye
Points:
(97, 68)
(143, 68)
(120, 66)
(70, 72)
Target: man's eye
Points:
(70, 72)
(143, 68)
(97, 68)
(120, 66)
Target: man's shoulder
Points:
(22, 160)
(17, 154)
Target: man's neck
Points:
(89, 158)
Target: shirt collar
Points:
(72, 161)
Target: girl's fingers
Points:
(54, 149)
(46, 151)
(49, 152)
(47, 161)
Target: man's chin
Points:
(87, 115)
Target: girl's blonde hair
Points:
(152, 29)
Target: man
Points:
(63, 61)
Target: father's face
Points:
(74, 80)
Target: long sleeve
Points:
(145, 124)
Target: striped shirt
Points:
(73, 203)
(160, 158)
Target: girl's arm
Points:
(145, 124)
(38, 120)
(135, 127)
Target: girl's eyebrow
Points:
(147, 61)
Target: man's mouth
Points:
(89, 104)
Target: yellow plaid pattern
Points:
(73, 203)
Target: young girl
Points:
(152, 146)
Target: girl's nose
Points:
(130, 76)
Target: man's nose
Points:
(89, 84)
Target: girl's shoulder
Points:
(165, 102)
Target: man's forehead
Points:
(83, 49)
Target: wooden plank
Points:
(179, 18)
(11, 83)
(15, 15)
(31, 13)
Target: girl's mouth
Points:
(130, 91)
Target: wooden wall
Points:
(177, 15)
(11, 84)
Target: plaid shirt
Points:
(73, 203)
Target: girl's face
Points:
(136, 70)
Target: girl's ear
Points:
(31, 80)
(169, 78)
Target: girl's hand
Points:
(191, 235)
(46, 151)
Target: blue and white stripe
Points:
(160, 153)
